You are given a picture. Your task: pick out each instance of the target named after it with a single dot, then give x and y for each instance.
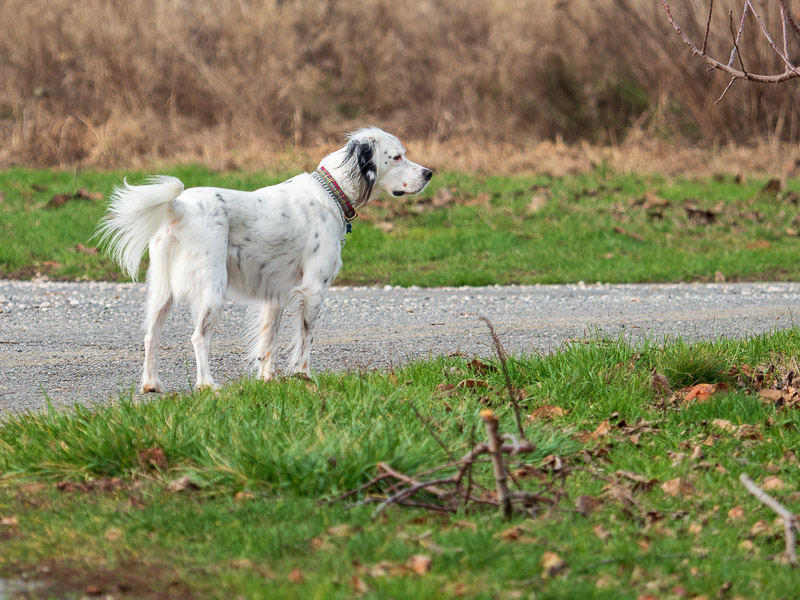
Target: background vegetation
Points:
(109, 83)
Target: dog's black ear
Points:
(362, 152)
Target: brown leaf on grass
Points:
(659, 384)
(760, 527)
(512, 534)
(152, 458)
(483, 199)
(86, 249)
(472, 384)
(296, 576)
(359, 585)
(773, 483)
(9, 521)
(461, 524)
(601, 431)
(538, 201)
(552, 565)
(769, 394)
(445, 390)
(586, 505)
(480, 367)
(736, 513)
(678, 487)
(112, 534)
(748, 432)
(182, 484)
(419, 564)
(244, 496)
(700, 393)
(724, 425)
(601, 532)
(546, 413)
(641, 483)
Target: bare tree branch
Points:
(790, 70)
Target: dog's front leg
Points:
(269, 322)
(310, 306)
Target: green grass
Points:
(265, 457)
(589, 227)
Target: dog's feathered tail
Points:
(135, 215)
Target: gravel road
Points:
(83, 342)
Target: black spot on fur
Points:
(316, 248)
(221, 199)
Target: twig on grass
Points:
(503, 496)
(501, 355)
(789, 520)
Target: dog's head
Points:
(379, 160)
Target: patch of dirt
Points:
(129, 579)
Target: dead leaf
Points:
(511, 534)
(538, 202)
(641, 483)
(113, 533)
(678, 487)
(546, 413)
(419, 563)
(736, 513)
(481, 367)
(9, 521)
(152, 458)
(182, 484)
(700, 392)
(773, 395)
(759, 527)
(296, 576)
(659, 383)
(586, 505)
(85, 249)
(601, 532)
(461, 524)
(244, 496)
(471, 384)
(748, 432)
(772, 483)
(644, 545)
(552, 565)
(359, 585)
(601, 431)
(724, 425)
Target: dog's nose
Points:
(427, 174)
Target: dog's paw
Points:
(151, 387)
(206, 384)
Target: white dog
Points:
(268, 246)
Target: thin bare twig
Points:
(501, 355)
(708, 26)
(789, 520)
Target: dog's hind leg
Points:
(310, 306)
(156, 316)
(159, 302)
(269, 322)
(205, 319)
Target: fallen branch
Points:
(789, 520)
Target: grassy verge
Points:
(93, 500)
(466, 230)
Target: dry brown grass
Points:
(227, 82)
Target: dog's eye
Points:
(397, 158)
